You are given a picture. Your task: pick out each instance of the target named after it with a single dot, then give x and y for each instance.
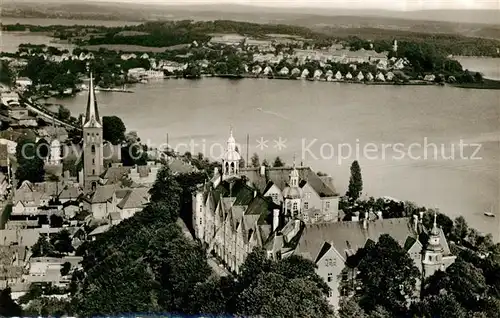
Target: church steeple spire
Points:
(294, 175)
(92, 118)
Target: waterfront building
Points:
(239, 209)
(360, 76)
(93, 164)
(380, 77)
(293, 211)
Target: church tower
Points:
(231, 159)
(433, 254)
(292, 195)
(93, 165)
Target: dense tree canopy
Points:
(113, 129)
(30, 164)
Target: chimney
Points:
(365, 221)
(262, 170)
(276, 219)
(421, 216)
(379, 215)
(415, 222)
(216, 171)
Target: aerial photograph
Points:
(250, 158)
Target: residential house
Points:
(18, 112)
(128, 56)
(284, 71)
(305, 73)
(101, 202)
(380, 77)
(28, 237)
(267, 71)
(348, 76)
(389, 76)
(430, 78)
(399, 64)
(317, 74)
(338, 76)
(256, 69)
(24, 82)
(295, 72)
(132, 201)
(369, 77)
(360, 76)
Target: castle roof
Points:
(348, 237)
(280, 176)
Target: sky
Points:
(398, 5)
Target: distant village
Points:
(281, 58)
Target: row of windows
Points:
(92, 134)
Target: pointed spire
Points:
(294, 160)
(92, 114)
(434, 225)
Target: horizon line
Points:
(370, 7)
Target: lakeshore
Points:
(332, 114)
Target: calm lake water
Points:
(316, 118)
(328, 115)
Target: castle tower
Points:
(293, 194)
(93, 165)
(231, 159)
(395, 46)
(433, 254)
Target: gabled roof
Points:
(104, 193)
(348, 237)
(115, 174)
(280, 175)
(134, 199)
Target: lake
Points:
(316, 117)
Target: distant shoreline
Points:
(487, 84)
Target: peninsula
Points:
(189, 49)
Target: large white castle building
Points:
(293, 211)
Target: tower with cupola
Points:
(231, 159)
(93, 164)
(433, 253)
(292, 195)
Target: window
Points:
(92, 148)
(201, 221)
(330, 277)
(330, 293)
(93, 171)
(295, 206)
(316, 217)
(306, 205)
(327, 205)
(93, 161)
(308, 195)
(201, 209)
